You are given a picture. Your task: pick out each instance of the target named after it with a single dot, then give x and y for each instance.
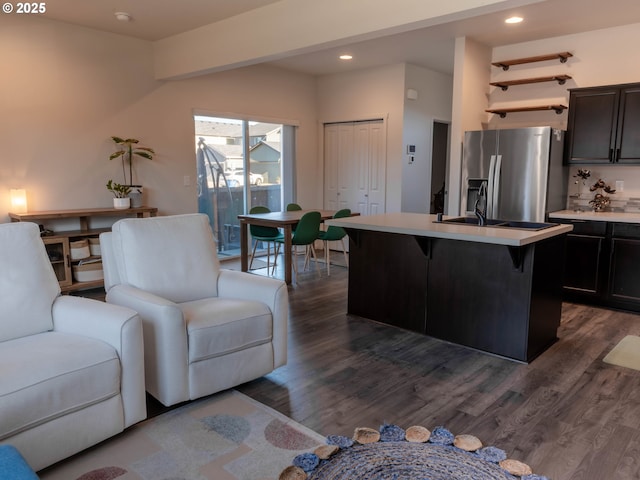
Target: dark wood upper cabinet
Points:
(628, 140)
(604, 125)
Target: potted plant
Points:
(120, 192)
(128, 149)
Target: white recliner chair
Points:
(71, 368)
(206, 329)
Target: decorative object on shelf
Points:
(600, 200)
(393, 453)
(136, 196)
(120, 193)
(18, 197)
(128, 150)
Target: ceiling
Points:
(430, 47)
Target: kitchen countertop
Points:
(424, 225)
(622, 217)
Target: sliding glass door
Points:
(240, 165)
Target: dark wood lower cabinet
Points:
(583, 258)
(602, 265)
(498, 299)
(625, 272)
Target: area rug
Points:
(626, 353)
(227, 436)
(392, 453)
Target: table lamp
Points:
(18, 200)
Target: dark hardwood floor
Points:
(567, 414)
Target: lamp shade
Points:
(18, 200)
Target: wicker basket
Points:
(80, 249)
(94, 246)
(88, 272)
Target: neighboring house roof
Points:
(228, 151)
(275, 146)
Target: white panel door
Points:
(355, 166)
(346, 168)
(361, 166)
(377, 168)
(331, 162)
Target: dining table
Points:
(284, 220)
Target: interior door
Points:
(355, 166)
(331, 159)
(377, 167)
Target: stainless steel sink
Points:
(492, 222)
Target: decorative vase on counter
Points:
(121, 203)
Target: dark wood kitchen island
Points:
(494, 289)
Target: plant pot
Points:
(121, 203)
(136, 196)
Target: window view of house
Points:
(239, 166)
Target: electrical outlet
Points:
(619, 185)
(186, 181)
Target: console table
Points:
(58, 242)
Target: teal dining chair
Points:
(334, 234)
(268, 235)
(293, 207)
(305, 234)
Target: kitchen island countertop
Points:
(424, 225)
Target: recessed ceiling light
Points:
(513, 20)
(346, 57)
(123, 16)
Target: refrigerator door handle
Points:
(490, 187)
(496, 185)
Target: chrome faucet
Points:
(481, 213)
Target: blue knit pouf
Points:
(13, 466)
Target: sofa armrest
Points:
(166, 354)
(119, 327)
(270, 291)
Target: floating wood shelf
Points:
(562, 56)
(561, 79)
(503, 111)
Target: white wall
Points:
(367, 94)
(65, 90)
(435, 92)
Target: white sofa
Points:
(206, 329)
(71, 368)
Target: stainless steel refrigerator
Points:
(522, 169)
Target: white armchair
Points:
(71, 368)
(205, 329)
